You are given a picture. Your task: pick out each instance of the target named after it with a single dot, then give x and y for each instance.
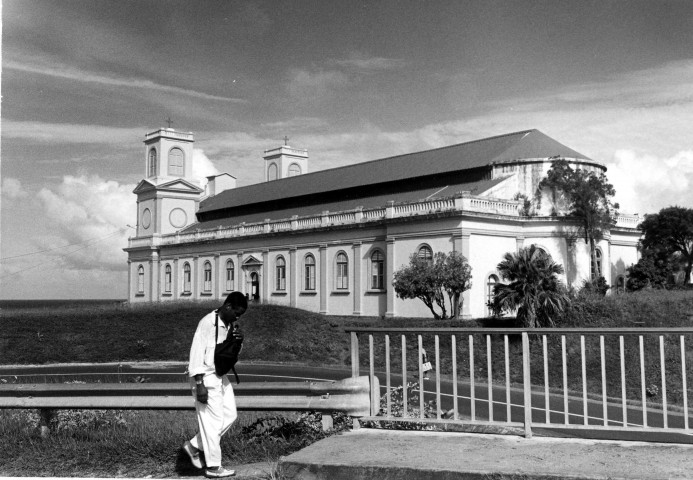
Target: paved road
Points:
(263, 372)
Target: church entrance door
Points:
(254, 287)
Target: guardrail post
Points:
(45, 420)
(354, 355)
(527, 385)
(327, 422)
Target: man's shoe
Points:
(194, 454)
(219, 472)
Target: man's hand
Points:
(201, 392)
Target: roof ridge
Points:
(432, 149)
(397, 156)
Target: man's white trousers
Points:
(214, 418)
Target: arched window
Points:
(186, 277)
(620, 284)
(152, 163)
(140, 279)
(342, 270)
(281, 273)
(425, 253)
(230, 274)
(598, 260)
(294, 169)
(272, 171)
(207, 286)
(176, 162)
(309, 272)
(167, 278)
(377, 270)
(490, 284)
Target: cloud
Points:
(73, 74)
(368, 65)
(70, 133)
(92, 214)
(318, 83)
(202, 167)
(12, 189)
(646, 183)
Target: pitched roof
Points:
(412, 166)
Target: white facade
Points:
(342, 262)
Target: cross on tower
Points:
(286, 140)
(169, 121)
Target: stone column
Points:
(195, 278)
(519, 242)
(218, 285)
(239, 274)
(131, 296)
(293, 279)
(264, 281)
(389, 275)
(460, 242)
(357, 291)
(175, 280)
(155, 279)
(324, 280)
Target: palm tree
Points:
(534, 289)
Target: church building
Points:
(330, 241)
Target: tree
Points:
(535, 290)
(431, 280)
(671, 231)
(588, 198)
(457, 277)
(651, 271)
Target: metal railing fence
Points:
(562, 379)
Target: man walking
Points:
(215, 403)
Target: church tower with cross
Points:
(285, 162)
(169, 195)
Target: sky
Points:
(350, 81)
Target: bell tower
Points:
(168, 197)
(285, 162)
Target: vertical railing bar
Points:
(454, 377)
(623, 381)
(437, 377)
(421, 379)
(472, 388)
(565, 381)
(527, 384)
(545, 351)
(375, 395)
(584, 379)
(404, 376)
(489, 372)
(642, 382)
(684, 383)
(354, 355)
(387, 375)
(507, 379)
(603, 361)
(663, 367)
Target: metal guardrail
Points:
(351, 396)
(617, 389)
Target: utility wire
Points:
(64, 246)
(65, 255)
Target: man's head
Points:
(235, 305)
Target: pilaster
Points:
(389, 275)
(357, 292)
(324, 276)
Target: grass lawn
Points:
(107, 443)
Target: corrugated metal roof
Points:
(454, 158)
(370, 202)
